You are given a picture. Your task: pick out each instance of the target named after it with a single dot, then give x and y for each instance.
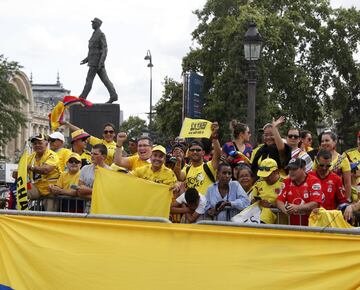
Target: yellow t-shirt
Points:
(111, 146)
(163, 176)
(196, 177)
(267, 192)
(136, 162)
(42, 182)
(353, 154)
(66, 179)
(63, 154)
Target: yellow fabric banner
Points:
(328, 219)
(195, 128)
(75, 253)
(21, 181)
(123, 194)
(55, 115)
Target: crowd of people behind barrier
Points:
(229, 182)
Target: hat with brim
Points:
(57, 136)
(296, 163)
(159, 148)
(39, 137)
(97, 20)
(74, 156)
(79, 134)
(266, 167)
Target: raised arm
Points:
(119, 160)
(71, 126)
(278, 140)
(216, 145)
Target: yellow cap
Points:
(159, 148)
(75, 156)
(267, 166)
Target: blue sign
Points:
(193, 95)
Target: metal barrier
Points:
(62, 203)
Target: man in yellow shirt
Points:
(144, 146)
(157, 171)
(57, 141)
(43, 169)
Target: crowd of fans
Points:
(218, 182)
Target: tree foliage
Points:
(167, 123)
(307, 70)
(11, 102)
(133, 126)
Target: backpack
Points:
(207, 171)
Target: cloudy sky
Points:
(50, 36)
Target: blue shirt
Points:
(236, 196)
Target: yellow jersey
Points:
(267, 192)
(42, 181)
(66, 179)
(136, 162)
(352, 154)
(163, 176)
(63, 154)
(196, 177)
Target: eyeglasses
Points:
(195, 150)
(143, 145)
(74, 162)
(324, 165)
(293, 136)
(265, 168)
(84, 139)
(109, 131)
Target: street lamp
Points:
(150, 65)
(252, 49)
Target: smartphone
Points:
(257, 197)
(74, 186)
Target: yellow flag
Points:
(55, 115)
(21, 182)
(195, 128)
(328, 219)
(122, 194)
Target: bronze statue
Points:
(96, 62)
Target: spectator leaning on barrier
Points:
(87, 173)
(199, 174)
(191, 204)
(69, 178)
(144, 146)
(43, 169)
(79, 140)
(301, 193)
(57, 141)
(225, 193)
(331, 184)
(157, 171)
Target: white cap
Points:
(57, 135)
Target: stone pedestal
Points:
(92, 119)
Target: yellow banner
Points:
(328, 219)
(123, 194)
(21, 182)
(75, 253)
(55, 115)
(195, 128)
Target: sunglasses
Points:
(74, 162)
(265, 168)
(109, 131)
(195, 150)
(293, 136)
(226, 173)
(325, 165)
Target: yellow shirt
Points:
(63, 154)
(136, 162)
(66, 179)
(163, 176)
(197, 178)
(267, 192)
(352, 154)
(42, 182)
(344, 165)
(111, 146)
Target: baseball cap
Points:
(39, 137)
(57, 136)
(78, 134)
(159, 148)
(267, 166)
(296, 163)
(74, 156)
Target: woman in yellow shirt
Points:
(339, 164)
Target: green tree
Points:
(133, 126)
(11, 102)
(167, 121)
(307, 70)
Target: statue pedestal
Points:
(92, 119)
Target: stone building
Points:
(41, 99)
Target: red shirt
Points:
(333, 190)
(308, 191)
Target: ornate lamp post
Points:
(252, 48)
(150, 65)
